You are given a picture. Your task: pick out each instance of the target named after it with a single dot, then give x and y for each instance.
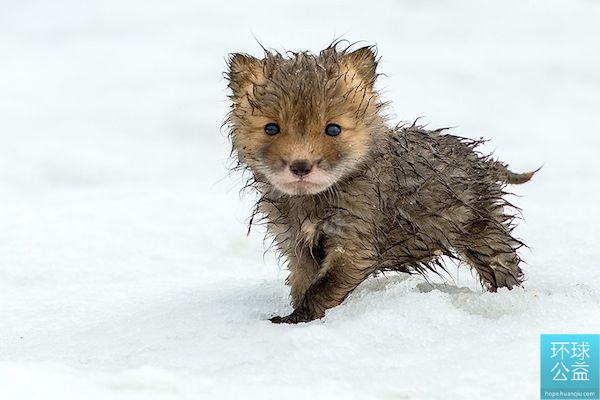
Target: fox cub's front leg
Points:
(341, 272)
(304, 270)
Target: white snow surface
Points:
(125, 269)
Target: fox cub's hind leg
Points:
(492, 251)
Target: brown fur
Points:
(376, 198)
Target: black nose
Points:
(300, 167)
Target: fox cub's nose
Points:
(300, 167)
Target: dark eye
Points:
(333, 129)
(271, 129)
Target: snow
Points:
(125, 270)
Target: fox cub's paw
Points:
(294, 318)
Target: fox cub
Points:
(345, 196)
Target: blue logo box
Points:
(569, 367)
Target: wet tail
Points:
(513, 178)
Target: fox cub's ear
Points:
(244, 71)
(364, 62)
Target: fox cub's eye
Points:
(271, 129)
(333, 129)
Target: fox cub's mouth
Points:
(301, 177)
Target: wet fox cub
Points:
(344, 195)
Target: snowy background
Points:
(125, 272)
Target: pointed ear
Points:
(364, 62)
(244, 71)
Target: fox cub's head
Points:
(303, 122)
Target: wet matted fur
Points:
(342, 205)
